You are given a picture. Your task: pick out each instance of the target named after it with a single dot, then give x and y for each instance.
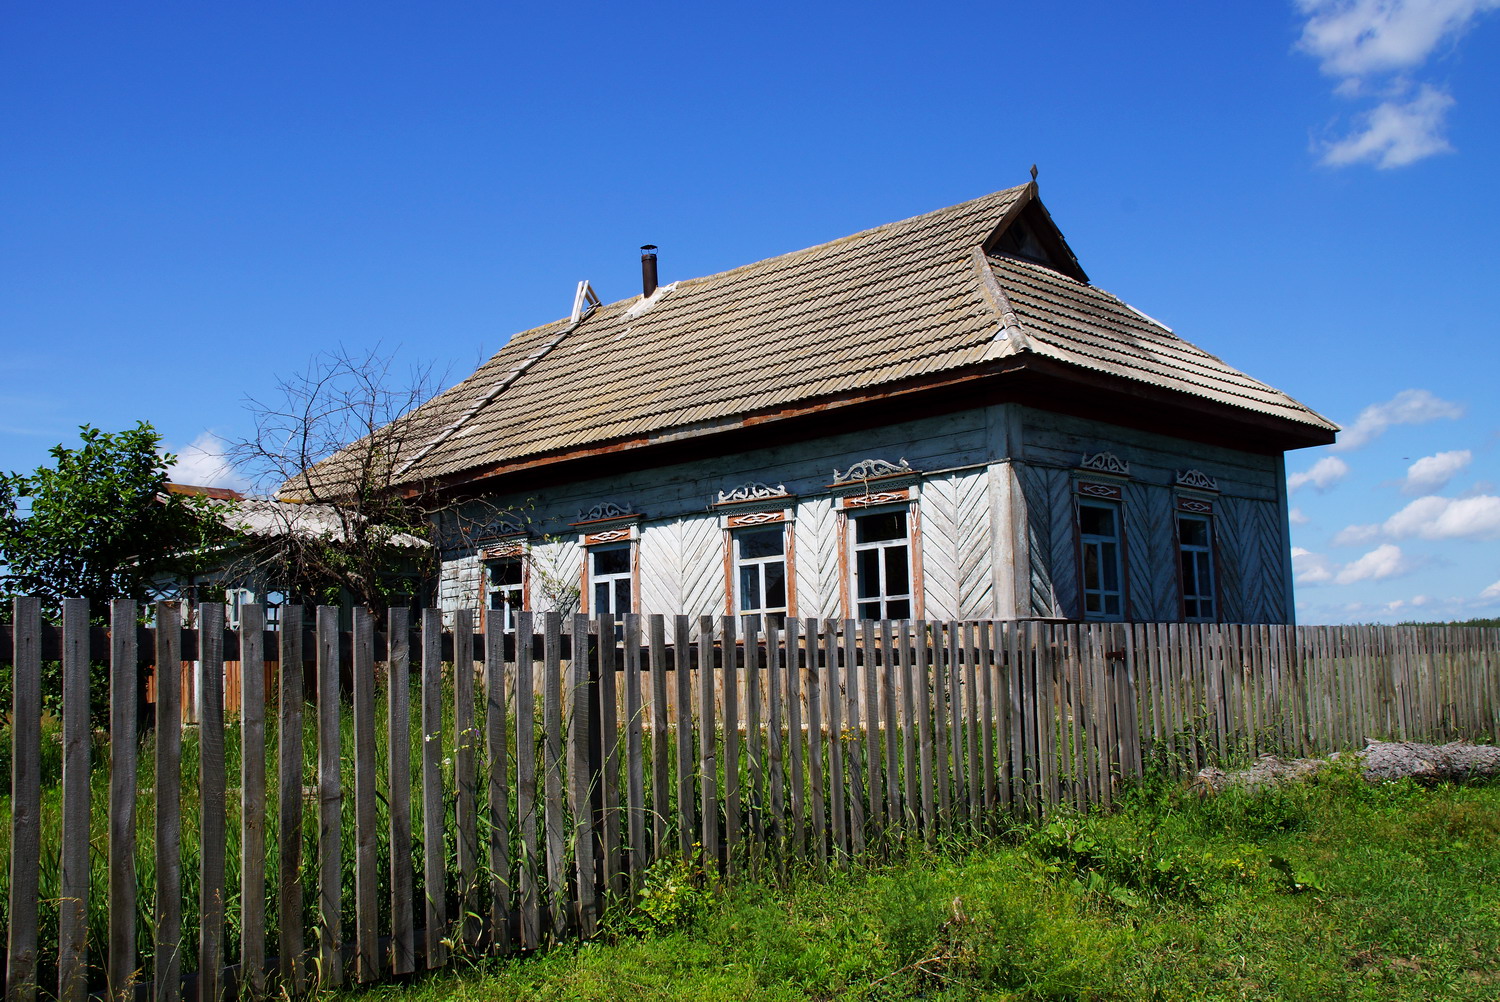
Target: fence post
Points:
(26, 799)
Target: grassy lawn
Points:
(1328, 890)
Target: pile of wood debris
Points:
(1457, 761)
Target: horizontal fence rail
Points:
(348, 805)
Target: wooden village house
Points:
(936, 418)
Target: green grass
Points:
(1328, 890)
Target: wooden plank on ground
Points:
(124, 672)
(291, 704)
(367, 966)
(73, 882)
(25, 799)
(497, 756)
(398, 787)
(434, 871)
(330, 804)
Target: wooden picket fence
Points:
(534, 786)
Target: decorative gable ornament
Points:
(871, 469)
(1106, 462)
(605, 510)
(752, 491)
(1197, 480)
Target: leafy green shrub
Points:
(675, 890)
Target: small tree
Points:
(98, 523)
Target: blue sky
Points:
(197, 198)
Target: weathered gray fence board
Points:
(366, 878)
(123, 674)
(290, 706)
(25, 799)
(496, 747)
(73, 883)
(167, 935)
(253, 799)
(465, 779)
(212, 826)
(530, 863)
(398, 740)
(330, 932)
(434, 877)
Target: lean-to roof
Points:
(911, 299)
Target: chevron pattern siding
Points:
(817, 559)
(661, 568)
(702, 566)
(1054, 560)
(556, 573)
(1232, 535)
(1151, 552)
(1261, 586)
(955, 546)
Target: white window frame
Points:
(882, 598)
(739, 563)
(492, 590)
(1202, 556)
(1099, 543)
(595, 579)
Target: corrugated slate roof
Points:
(893, 303)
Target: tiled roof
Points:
(904, 300)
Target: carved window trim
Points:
(845, 515)
(586, 592)
(1122, 557)
(1211, 551)
(731, 561)
(1105, 462)
(487, 560)
(1196, 480)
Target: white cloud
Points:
(1435, 517)
(1309, 567)
(1432, 473)
(1355, 535)
(1357, 40)
(1406, 407)
(1323, 474)
(1297, 517)
(1396, 133)
(1493, 591)
(1385, 561)
(204, 464)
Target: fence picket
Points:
(26, 799)
(123, 673)
(252, 799)
(167, 938)
(661, 791)
(465, 779)
(73, 884)
(708, 769)
(582, 699)
(398, 742)
(819, 832)
(796, 657)
(836, 770)
(330, 804)
(754, 797)
(530, 864)
(434, 876)
(924, 711)
(497, 755)
(682, 660)
(291, 705)
(730, 656)
(605, 755)
(366, 878)
(635, 763)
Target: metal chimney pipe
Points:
(648, 269)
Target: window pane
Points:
(761, 543)
(612, 560)
(750, 588)
(601, 597)
(1111, 605)
(505, 572)
(1110, 559)
(622, 596)
(869, 610)
(874, 528)
(899, 609)
(896, 582)
(1096, 520)
(1189, 575)
(1091, 566)
(1194, 531)
(867, 570)
(775, 585)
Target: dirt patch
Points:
(1456, 761)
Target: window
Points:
(760, 572)
(507, 591)
(882, 566)
(610, 578)
(1103, 579)
(1196, 551)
